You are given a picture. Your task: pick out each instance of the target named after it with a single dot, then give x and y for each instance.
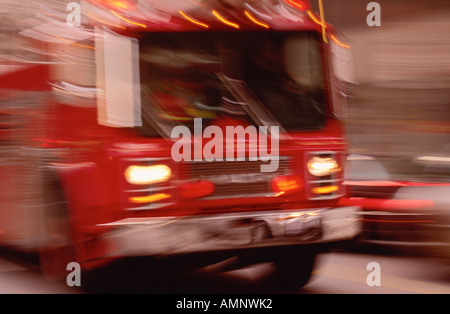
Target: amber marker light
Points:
(325, 189)
(75, 44)
(149, 198)
(333, 38)
(224, 21)
(192, 20)
(315, 20)
(322, 18)
(254, 20)
(128, 21)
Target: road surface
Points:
(335, 273)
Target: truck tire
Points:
(293, 268)
(56, 248)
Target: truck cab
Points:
(210, 129)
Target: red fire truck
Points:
(87, 118)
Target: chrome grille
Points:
(237, 178)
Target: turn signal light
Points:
(196, 189)
(287, 184)
(149, 198)
(325, 189)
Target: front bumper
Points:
(176, 235)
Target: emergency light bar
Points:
(135, 13)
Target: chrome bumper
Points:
(175, 235)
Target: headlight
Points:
(322, 166)
(147, 174)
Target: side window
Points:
(75, 63)
(74, 73)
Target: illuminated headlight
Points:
(322, 166)
(147, 174)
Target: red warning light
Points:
(117, 4)
(301, 5)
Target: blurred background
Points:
(400, 105)
(398, 126)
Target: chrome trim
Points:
(150, 189)
(326, 197)
(150, 206)
(239, 196)
(225, 178)
(175, 235)
(147, 159)
(325, 181)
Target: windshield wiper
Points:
(150, 115)
(251, 104)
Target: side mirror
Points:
(341, 77)
(118, 80)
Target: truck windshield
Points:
(181, 78)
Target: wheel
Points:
(293, 268)
(56, 249)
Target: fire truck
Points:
(88, 114)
